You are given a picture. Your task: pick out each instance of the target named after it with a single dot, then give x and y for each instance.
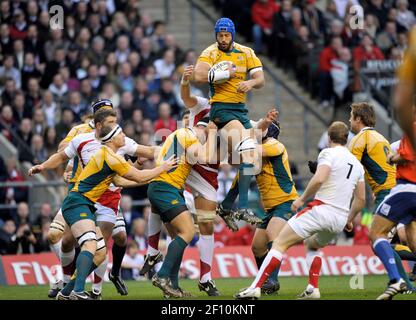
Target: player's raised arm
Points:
(52, 163)
(125, 183)
(141, 176)
(188, 100)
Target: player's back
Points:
(372, 148)
(79, 129)
(346, 172)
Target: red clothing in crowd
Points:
(161, 124)
(262, 13)
(361, 235)
(361, 54)
(406, 171)
(325, 58)
(222, 235)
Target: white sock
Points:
(56, 248)
(153, 230)
(205, 246)
(66, 259)
(272, 254)
(99, 273)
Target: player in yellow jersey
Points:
(166, 197)
(225, 66)
(78, 207)
(373, 151)
(277, 191)
(404, 95)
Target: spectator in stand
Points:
(7, 122)
(137, 120)
(25, 135)
(20, 108)
(262, 13)
(24, 232)
(166, 124)
(132, 262)
(314, 20)
(388, 38)
(147, 55)
(405, 17)
(34, 44)
(170, 44)
(158, 35)
(58, 88)
(41, 226)
(125, 77)
(129, 214)
(50, 109)
(126, 105)
(51, 140)
(371, 25)
(18, 54)
(76, 105)
(366, 51)
(87, 94)
(5, 12)
(325, 65)
(165, 66)
(123, 49)
(6, 43)
(19, 26)
(9, 91)
(8, 238)
(14, 194)
(139, 233)
(340, 77)
(9, 71)
(168, 95)
(66, 123)
(38, 149)
(302, 46)
(38, 122)
(378, 9)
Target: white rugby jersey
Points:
(346, 172)
(199, 111)
(85, 145)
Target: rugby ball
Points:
(218, 67)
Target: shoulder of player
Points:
(83, 137)
(244, 49)
(211, 48)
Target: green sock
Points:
(232, 194)
(244, 184)
(404, 252)
(174, 274)
(71, 284)
(401, 270)
(84, 265)
(175, 252)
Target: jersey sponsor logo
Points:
(385, 209)
(83, 215)
(176, 201)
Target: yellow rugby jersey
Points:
(98, 174)
(371, 149)
(77, 130)
(245, 60)
(275, 179)
(176, 144)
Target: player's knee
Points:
(100, 253)
(54, 236)
(187, 234)
(258, 251)
(375, 234)
(88, 241)
(120, 238)
(90, 246)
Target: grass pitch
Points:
(332, 288)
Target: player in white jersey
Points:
(109, 218)
(338, 179)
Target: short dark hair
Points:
(366, 113)
(185, 113)
(104, 113)
(338, 132)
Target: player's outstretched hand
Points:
(272, 115)
(169, 164)
(296, 205)
(245, 86)
(35, 169)
(187, 73)
(313, 165)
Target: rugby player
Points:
(398, 207)
(339, 177)
(277, 191)
(166, 197)
(372, 150)
(109, 218)
(78, 207)
(225, 66)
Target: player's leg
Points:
(119, 235)
(404, 252)
(411, 240)
(184, 227)
(153, 255)
(241, 138)
(55, 232)
(224, 209)
(68, 255)
(206, 214)
(260, 249)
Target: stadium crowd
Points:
(324, 43)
